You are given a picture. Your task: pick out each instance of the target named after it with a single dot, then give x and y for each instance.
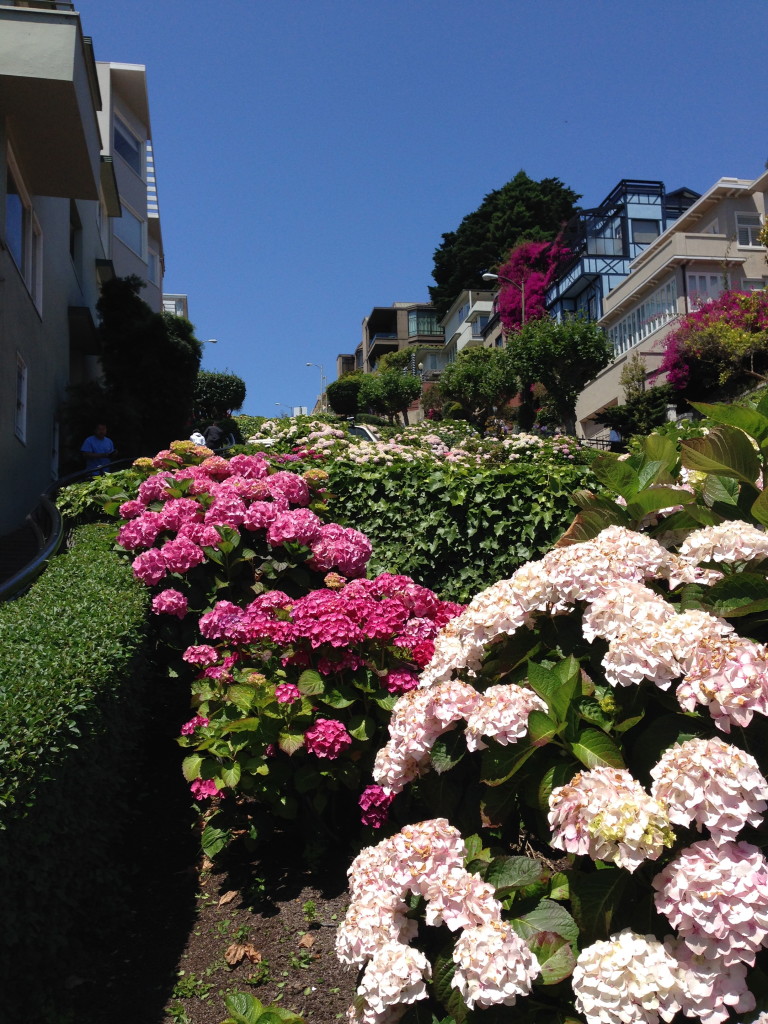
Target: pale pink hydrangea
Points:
(716, 896)
(371, 923)
(731, 541)
(627, 979)
(170, 602)
(730, 678)
(396, 975)
(493, 965)
(501, 713)
(706, 989)
(607, 814)
(459, 899)
(327, 738)
(712, 783)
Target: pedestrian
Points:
(214, 435)
(98, 449)
(197, 437)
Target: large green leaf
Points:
(660, 448)
(618, 475)
(443, 971)
(541, 728)
(548, 916)
(311, 683)
(555, 955)
(595, 898)
(506, 874)
(725, 451)
(760, 508)
(654, 498)
(500, 763)
(741, 594)
(594, 748)
(742, 417)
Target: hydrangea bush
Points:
(590, 738)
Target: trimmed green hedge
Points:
(73, 674)
(455, 529)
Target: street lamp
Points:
(488, 276)
(281, 406)
(211, 341)
(323, 398)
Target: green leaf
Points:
(213, 840)
(541, 728)
(595, 897)
(749, 420)
(555, 955)
(558, 775)
(743, 593)
(231, 776)
(500, 763)
(243, 725)
(506, 874)
(497, 804)
(760, 508)
(548, 916)
(559, 887)
(338, 697)
(619, 476)
(243, 697)
(720, 490)
(311, 683)
(660, 449)
(447, 751)
(289, 743)
(654, 498)
(190, 767)
(361, 727)
(594, 749)
(442, 974)
(724, 450)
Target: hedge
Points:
(73, 671)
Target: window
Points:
(657, 310)
(705, 287)
(422, 322)
(128, 146)
(747, 230)
(153, 266)
(21, 398)
(130, 230)
(22, 232)
(644, 231)
(752, 284)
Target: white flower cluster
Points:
(607, 814)
(421, 716)
(493, 965)
(647, 638)
(727, 542)
(635, 979)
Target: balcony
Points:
(49, 94)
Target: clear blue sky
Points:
(310, 153)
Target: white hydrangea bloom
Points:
(395, 976)
(628, 979)
(607, 814)
(493, 966)
(501, 712)
(731, 541)
(712, 783)
(706, 988)
(730, 678)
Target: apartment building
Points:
(66, 183)
(391, 328)
(712, 246)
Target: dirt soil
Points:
(188, 932)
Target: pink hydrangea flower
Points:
(201, 654)
(375, 802)
(297, 526)
(198, 722)
(170, 602)
(227, 510)
(181, 555)
(131, 509)
(290, 486)
(493, 965)
(149, 567)
(399, 680)
(177, 511)
(253, 467)
(327, 738)
(287, 693)
(202, 788)
(260, 514)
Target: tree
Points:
(562, 357)
(524, 279)
(343, 394)
(217, 394)
(390, 391)
(521, 209)
(480, 381)
(150, 362)
(719, 348)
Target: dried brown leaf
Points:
(307, 941)
(228, 897)
(237, 952)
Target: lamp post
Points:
(323, 399)
(488, 276)
(281, 406)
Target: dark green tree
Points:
(521, 210)
(562, 357)
(389, 391)
(343, 394)
(217, 394)
(480, 381)
(150, 362)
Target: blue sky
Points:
(311, 153)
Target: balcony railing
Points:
(43, 5)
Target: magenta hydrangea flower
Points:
(198, 722)
(202, 788)
(327, 738)
(290, 486)
(375, 803)
(170, 602)
(287, 693)
(260, 514)
(131, 509)
(399, 680)
(181, 555)
(149, 567)
(253, 467)
(177, 511)
(201, 654)
(297, 526)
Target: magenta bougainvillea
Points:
(528, 271)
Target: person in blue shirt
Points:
(97, 449)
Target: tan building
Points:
(63, 182)
(391, 328)
(712, 247)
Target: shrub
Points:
(72, 675)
